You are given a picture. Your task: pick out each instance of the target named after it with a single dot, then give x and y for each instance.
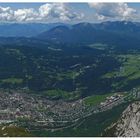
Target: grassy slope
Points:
(130, 67)
(13, 131)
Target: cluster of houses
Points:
(111, 99)
(17, 106)
(42, 111)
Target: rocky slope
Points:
(129, 123)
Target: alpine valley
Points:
(69, 79)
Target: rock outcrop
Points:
(129, 123)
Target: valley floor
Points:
(36, 113)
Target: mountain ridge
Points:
(119, 33)
(24, 29)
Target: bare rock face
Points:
(129, 123)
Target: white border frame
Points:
(66, 1)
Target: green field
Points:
(67, 75)
(130, 67)
(57, 93)
(12, 81)
(96, 99)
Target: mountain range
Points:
(118, 34)
(25, 29)
(89, 32)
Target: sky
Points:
(68, 12)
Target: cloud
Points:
(57, 10)
(48, 11)
(113, 10)
(25, 15)
(6, 14)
